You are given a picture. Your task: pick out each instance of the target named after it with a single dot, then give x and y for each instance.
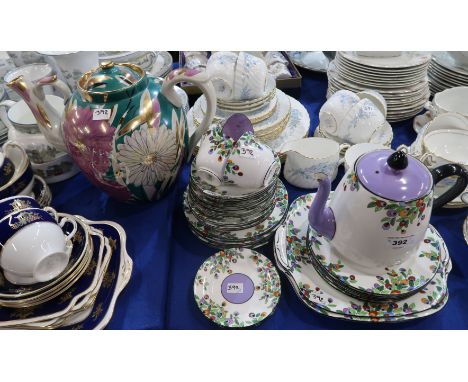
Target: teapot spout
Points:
(321, 218)
(48, 119)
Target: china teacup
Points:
(34, 247)
(216, 147)
(376, 98)
(7, 169)
(22, 180)
(307, 157)
(362, 121)
(16, 204)
(250, 77)
(445, 146)
(450, 100)
(251, 164)
(334, 110)
(221, 68)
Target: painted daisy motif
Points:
(148, 155)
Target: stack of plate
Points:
(83, 296)
(444, 72)
(229, 216)
(276, 117)
(402, 80)
(414, 289)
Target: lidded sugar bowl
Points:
(379, 212)
(126, 130)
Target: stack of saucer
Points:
(445, 72)
(228, 216)
(335, 288)
(84, 294)
(401, 78)
(23, 181)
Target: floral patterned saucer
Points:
(291, 251)
(254, 236)
(237, 288)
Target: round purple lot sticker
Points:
(237, 288)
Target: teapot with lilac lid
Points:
(379, 212)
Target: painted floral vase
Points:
(125, 129)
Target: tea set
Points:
(365, 251)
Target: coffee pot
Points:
(125, 129)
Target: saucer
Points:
(291, 246)
(62, 304)
(402, 279)
(237, 288)
(115, 279)
(254, 236)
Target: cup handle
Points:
(4, 107)
(345, 147)
(428, 159)
(444, 171)
(59, 85)
(11, 144)
(75, 227)
(430, 107)
(202, 80)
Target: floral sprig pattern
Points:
(401, 214)
(270, 286)
(351, 182)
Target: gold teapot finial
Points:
(106, 65)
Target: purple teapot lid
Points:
(393, 175)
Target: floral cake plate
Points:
(291, 247)
(237, 288)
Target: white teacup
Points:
(376, 98)
(250, 77)
(362, 121)
(221, 68)
(252, 164)
(34, 248)
(453, 100)
(355, 151)
(307, 157)
(445, 146)
(335, 109)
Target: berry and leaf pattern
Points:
(208, 282)
(351, 182)
(324, 299)
(400, 215)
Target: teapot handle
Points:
(57, 84)
(444, 171)
(202, 80)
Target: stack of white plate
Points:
(446, 72)
(401, 79)
(84, 295)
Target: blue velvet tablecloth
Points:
(167, 255)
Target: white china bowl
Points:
(448, 145)
(447, 121)
(450, 100)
